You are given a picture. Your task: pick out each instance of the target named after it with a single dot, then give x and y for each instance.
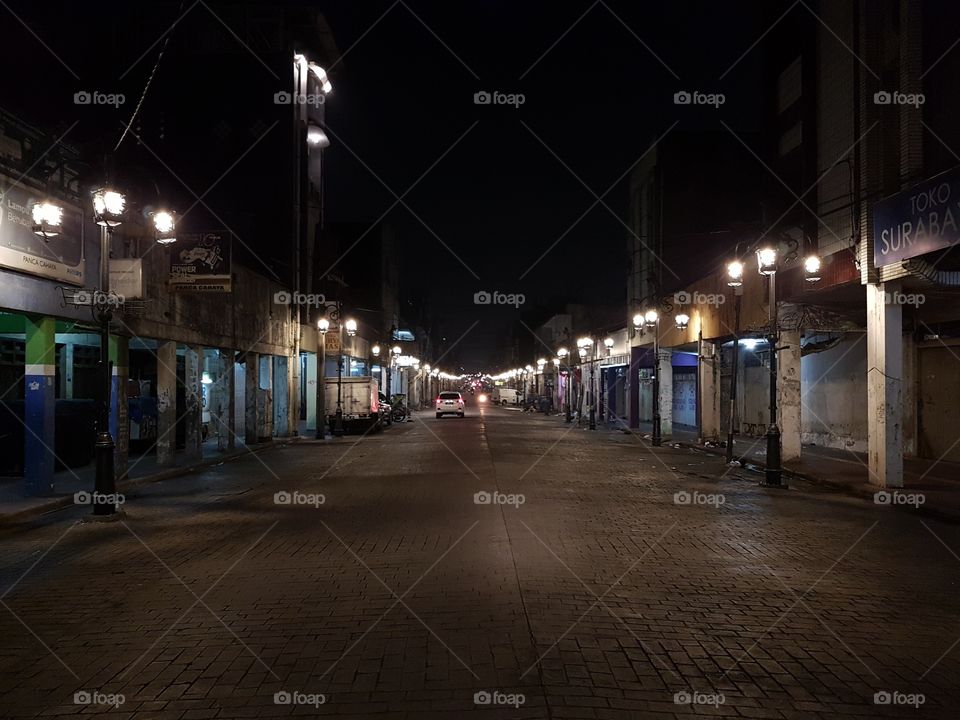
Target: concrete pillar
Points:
(166, 401)
(312, 392)
(665, 373)
(228, 430)
(119, 408)
(192, 402)
(788, 394)
(66, 371)
(708, 367)
(39, 405)
(281, 396)
(910, 390)
(884, 386)
(252, 381)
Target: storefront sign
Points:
(200, 262)
(58, 258)
(917, 221)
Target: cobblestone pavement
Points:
(577, 584)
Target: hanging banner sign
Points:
(917, 221)
(59, 257)
(200, 262)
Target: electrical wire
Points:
(146, 88)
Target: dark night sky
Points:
(404, 95)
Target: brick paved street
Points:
(601, 595)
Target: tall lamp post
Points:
(323, 325)
(108, 209)
(586, 344)
(767, 265)
(562, 354)
(651, 321)
(734, 280)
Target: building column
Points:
(788, 394)
(228, 385)
(166, 401)
(192, 402)
(884, 386)
(119, 408)
(665, 373)
(281, 396)
(312, 392)
(708, 367)
(910, 389)
(66, 370)
(252, 391)
(39, 405)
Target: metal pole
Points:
(104, 481)
(774, 472)
(566, 391)
(738, 294)
(593, 397)
(338, 419)
(657, 439)
(321, 387)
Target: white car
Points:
(449, 403)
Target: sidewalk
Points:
(846, 471)
(15, 506)
(930, 487)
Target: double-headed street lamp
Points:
(650, 320)
(323, 326)
(351, 327)
(734, 280)
(586, 345)
(562, 354)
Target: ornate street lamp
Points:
(108, 207)
(735, 273)
(767, 265)
(323, 326)
(47, 219)
(811, 269)
(734, 280)
(682, 320)
(165, 227)
(608, 345)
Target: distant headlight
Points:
(482, 398)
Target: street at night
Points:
(587, 587)
(509, 359)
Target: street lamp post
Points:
(586, 344)
(652, 321)
(562, 353)
(351, 327)
(323, 325)
(767, 265)
(734, 280)
(108, 208)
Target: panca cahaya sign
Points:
(58, 258)
(201, 262)
(917, 221)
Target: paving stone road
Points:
(502, 565)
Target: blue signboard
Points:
(920, 220)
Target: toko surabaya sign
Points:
(917, 221)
